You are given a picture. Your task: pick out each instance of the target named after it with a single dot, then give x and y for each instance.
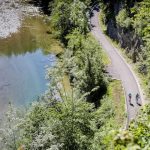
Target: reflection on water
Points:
(22, 77)
(22, 63)
(32, 35)
(18, 44)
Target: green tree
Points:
(123, 19)
(10, 129)
(88, 69)
(78, 16)
(65, 125)
(138, 134)
(60, 19)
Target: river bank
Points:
(12, 12)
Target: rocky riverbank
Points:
(11, 14)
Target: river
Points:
(23, 60)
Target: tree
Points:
(9, 129)
(78, 16)
(65, 125)
(138, 134)
(88, 70)
(60, 19)
(123, 19)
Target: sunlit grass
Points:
(105, 58)
(103, 26)
(67, 89)
(117, 99)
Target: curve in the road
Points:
(119, 69)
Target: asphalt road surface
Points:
(118, 69)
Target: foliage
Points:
(83, 60)
(78, 16)
(75, 40)
(112, 114)
(67, 121)
(69, 125)
(90, 77)
(123, 20)
(138, 134)
(141, 17)
(9, 128)
(60, 18)
(68, 16)
(141, 23)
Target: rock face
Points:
(127, 38)
(11, 13)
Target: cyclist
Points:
(137, 97)
(130, 96)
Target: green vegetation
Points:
(138, 135)
(116, 95)
(71, 123)
(101, 21)
(110, 117)
(123, 19)
(90, 111)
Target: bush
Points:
(123, 20)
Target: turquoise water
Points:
(22, 77)
(22, 65)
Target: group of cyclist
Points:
(137, 97)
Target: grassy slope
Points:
(117, 99)
(111, 116)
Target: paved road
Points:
(118, 68)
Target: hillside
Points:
(85, 108)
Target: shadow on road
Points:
(131, 105)
(139, 104)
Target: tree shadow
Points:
(43, 4)
(96, 8)
(91, 14)
(96, 96)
